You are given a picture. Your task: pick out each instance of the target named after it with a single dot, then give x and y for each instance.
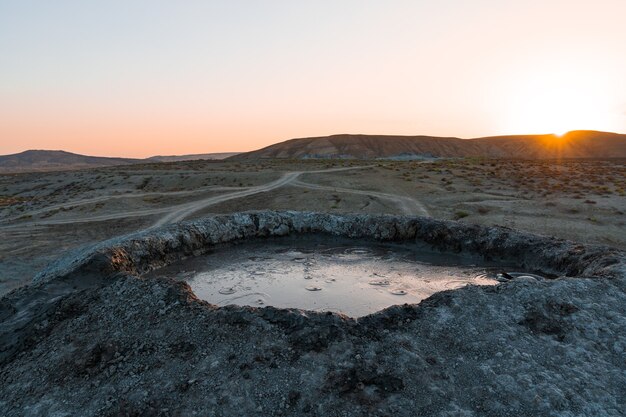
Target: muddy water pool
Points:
(328, 274)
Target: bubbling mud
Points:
(328, 274)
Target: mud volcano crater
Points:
(321, 273)
(115, 329)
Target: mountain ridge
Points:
(575, 144)
(40, 160)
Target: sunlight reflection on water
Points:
(322, 275)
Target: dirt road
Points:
(408, 205)
(176, 213)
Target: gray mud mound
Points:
(95, 336)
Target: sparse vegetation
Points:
(9, 200)
(144, 183)
(460, 214)
(538, 196)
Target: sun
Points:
(558, 100)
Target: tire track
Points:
(408, 205)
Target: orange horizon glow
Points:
(138, 79)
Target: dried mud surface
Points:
(91, 337)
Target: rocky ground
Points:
(92, 337)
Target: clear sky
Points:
(139, 78)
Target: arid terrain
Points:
(44, 160)
(320, 208)
(574, 144)
(45, 215)
(97, 335)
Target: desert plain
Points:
(86, 330)
(46, 215)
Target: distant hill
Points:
(192, 157)
(42, 160)
(576, 144)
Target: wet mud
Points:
(323, 273)
(96, 335)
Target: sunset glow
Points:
(142, 78)
(558, 99)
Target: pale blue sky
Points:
(139, 78)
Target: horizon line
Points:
(313, 137)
